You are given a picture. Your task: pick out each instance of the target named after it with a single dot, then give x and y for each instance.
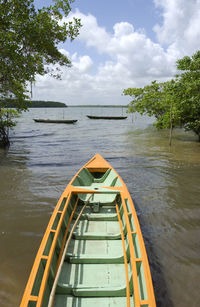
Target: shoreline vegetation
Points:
(37, 104)
(56, 104)
(46, 104)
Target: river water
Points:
(164, 183)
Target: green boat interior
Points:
(97, 270)
(96, 179)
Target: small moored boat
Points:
(106, 117)
(55, 121)
(92, 253)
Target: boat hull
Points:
(107, 117)
(92, 252)
(54, 121)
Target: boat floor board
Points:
(96, 247)
(93, 251)
(106, 227)
(92, 275)
(65, 301)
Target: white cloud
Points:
(91, 33)
(181, 24)
(134, 59)
(84, 64)
(123, 28)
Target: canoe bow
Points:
(110, 220)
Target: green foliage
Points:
(189, 92)
(29, 40)
(36, 104)
(46, 104)
(155, 100)
(173, 103)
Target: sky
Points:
(121, 44)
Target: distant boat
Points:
(56, 121)
(106, 117)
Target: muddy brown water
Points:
(163, 182)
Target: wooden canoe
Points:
(55, 121)
(92, 253)
(106, 117)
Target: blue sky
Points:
(140, 13)
(122, 44)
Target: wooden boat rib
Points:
(55, 121)
(107, 117)
(96, 257)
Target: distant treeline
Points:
(36, 104)
(98, 106)
(46, 104)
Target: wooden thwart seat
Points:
(95, 259)
(95, 291)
